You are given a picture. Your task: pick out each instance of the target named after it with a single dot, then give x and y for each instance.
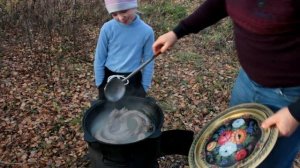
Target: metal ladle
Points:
(115, 88)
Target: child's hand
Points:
(164, 42)
(283, 120)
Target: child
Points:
(124, 44)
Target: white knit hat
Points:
(118, 5)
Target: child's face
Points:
(124, 16)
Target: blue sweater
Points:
(123, 48)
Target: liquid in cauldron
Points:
(122, 126)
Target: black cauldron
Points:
(142, 153)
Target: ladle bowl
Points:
(115, 88)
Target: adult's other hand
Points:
(283, 120)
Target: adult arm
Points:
(286, 119)
(210, 12)
(294, 109)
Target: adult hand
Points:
(283, 120)
(164, 42)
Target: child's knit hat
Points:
(118, 5)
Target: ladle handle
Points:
(140, 67)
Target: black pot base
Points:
(143, 154)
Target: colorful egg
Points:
(211, 146)
(241, 154)
(239, 136)
(224, 137)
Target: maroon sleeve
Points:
(210, 12)
(294, 109)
